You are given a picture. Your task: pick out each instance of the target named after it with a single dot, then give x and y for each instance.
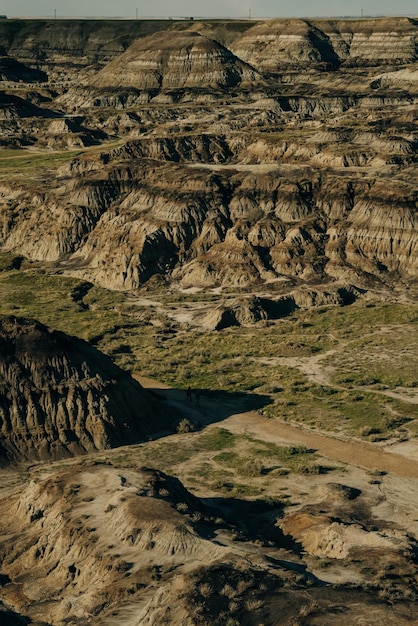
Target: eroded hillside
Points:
(230, 206)
(130, 545)
(60, 397)
(275, 153)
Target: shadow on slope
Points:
(10, 618)
(206, 406)
(61, 397)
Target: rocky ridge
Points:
(273, 153)
(227, 227)
(184, 60)
(276, 44)
(129, 545)
(281, 178)
(60, 397)
(82, 512)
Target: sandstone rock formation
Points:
(303, 172)
(105, 544)
(181, 60)
(323, 537)
(307, 42)
(240, 312)
(275, 44)
(102, 537)
(60, 397)
(339, 524)
(267, 166)
(122, 222)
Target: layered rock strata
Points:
(60, 397)
(276, 153)
(180, 60)
(124, 221)
(276, 44)
(103, 537)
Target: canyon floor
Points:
(287, 524)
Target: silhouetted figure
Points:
(189, 394)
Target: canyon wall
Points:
(236, 154)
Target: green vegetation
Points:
(364, 351)
(224, 462)
(53, 300)
(20, 164)
(261, 458)
(216, 439)
(10, 262)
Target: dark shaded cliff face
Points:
(247, 153)
(12, 70)
(60, 397)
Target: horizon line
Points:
(57, 17)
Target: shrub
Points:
(366, 431)
(252, 468)
(185, 426)
(308, 468)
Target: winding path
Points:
(367, 456)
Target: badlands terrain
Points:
(230, 206)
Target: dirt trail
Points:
(320, 374)
(357, 453)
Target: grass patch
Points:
(217, 439)
(164, 455)
(388, 359)
(50, 299)
(346, 411)
(261, 458)
(9, 261)
(22, 164)
(372, 349)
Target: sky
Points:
(206, 8)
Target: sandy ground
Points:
(389, 475)
(100, 501)
(357, 453)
